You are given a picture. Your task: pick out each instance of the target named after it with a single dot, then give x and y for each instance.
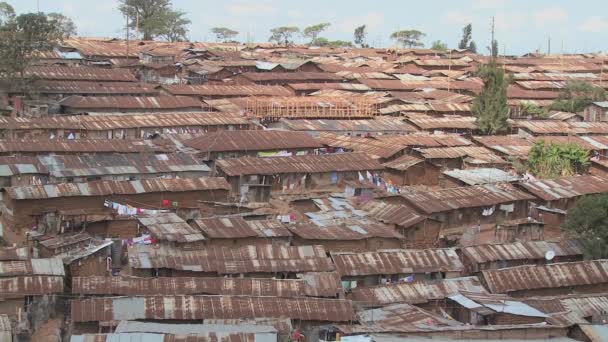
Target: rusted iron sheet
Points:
(20, 165)
(161, 337)
(403, 314)
(257, 140)
(473, 154)
(291, 76)
(49, 267)
(93, 88)
(80, 73)
(216, 307)
(404, 261)
(319, 86)
(465, 197)
(65, 240)
(370, 146)
(170, 227)
(237, 227)
(403, 163)
(387, 124)
(38, 145)
(339, 162)
(130, 102)
(14, 253)
(529, 250)
(510, 145)
(322, 284)
(531, 277)
(400, 215)
(131, 286)
(542, 127)
(124, 121)
(344, 232)
(249, 259)
(106, 188)
(226, 90)
(447, 122)
(567, 187)
(30, 286)
(418, 292)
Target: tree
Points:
(493, 49)
(557, 160)
(224, 34)
(65, 24)
(21, 38)
(312, 32)
(360, 36)
(576, 95)
(154, 18)
(490, 107)
(530, 109)
(321, 41)
(439, 46)
(174, 29)
(467, 39)
(587, 223)
(283, 34)
(408, 38)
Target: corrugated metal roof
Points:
(481, 176)
(542, 127)
(403, 163)
(202, 307)
(20, 165)
(400, 215)
(191, 329)
(339, 162)
(400, 314)
(417, 292)
(510, 145)
(80, 73)
(158, 337)
(226, 90)
(344, 232)
(41, 145)
(249, 259)
(426, 140)
(320, 86)
(290, 76)
(401, 261)
(93, 88)
(368, 145)
(170, 227)
(118, 103)
(529, 250)
(567, 187)
(105, 188)
(546, 276)
(486, 304)
(30, 285)
(50, 267)
(237, 227)
(447, 122)
(464, 197)
(14, 253)
(257, 140)
(381, 124)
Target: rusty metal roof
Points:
(542, 127)
(339, 162)
(30, 286)
(529, 250)
(204, 307)
(320, 86)
(400, 261)
(531, 277)
(400, 215)
(567, 187)
(344, 232)
(290, 76)
(41, 145)
(93, 88)
(170, 227)
(236, 227)
(226, 90)
(447, 122)
(426, 140)
(65, 240)
(80, 73)
(403, 314)
(20, 165)
(105, 188)
(118, 103)
(510, 145)
(14, 253)
(368, 145)
(479, 176)
(47, 267)
(403, 163)
(164, 337)
(249, 259)
(381, 124)
(84, 165)
(490, 304)
(464, 197)
(256, 140)
(418, 292)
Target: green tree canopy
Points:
(439, 46)
(21, 37)
(321, 41)
(283, 34)
(577, 95)
(360, 35)
(490, 107)
(530, 109)
(588, 222)
(557, 160)
(408, 38)
(155, 18)
(224, 34)
(467, 39)
(312, 32)
(65, 24)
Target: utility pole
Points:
(127, 19)
(492, 42)
(137, 26)
(549, 46)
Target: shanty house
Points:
(597, 111)
(129, 104)
(238, 232)
(397, 265)
(487, 309)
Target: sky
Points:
(521, 25)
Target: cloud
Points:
(371, 19)
(550, 16)
(457, 17)
(252, 9)
(595, 24)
